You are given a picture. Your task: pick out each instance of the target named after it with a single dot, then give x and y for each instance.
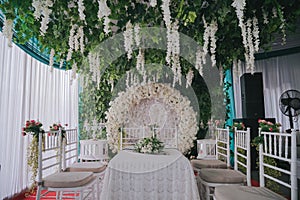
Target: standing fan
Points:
(289, 103)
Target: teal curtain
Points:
(228, 89)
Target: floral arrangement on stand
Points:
(149, 145)
(35, 128)
(121, 106)
(268, 126)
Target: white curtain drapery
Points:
(279, 74)
(29, 90)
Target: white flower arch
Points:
(117, 115)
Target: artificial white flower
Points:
(51, 58)
(255, 33)
(140, 61)
(251, 58)
(81, 39)
(8, 30)
(166, 12)
(61, 63)
(282, 26)
(265, 17)
(37, 5)
(205, 36)
(189, 78)
(137, 35)
(106, 25)
(128, 39)
(104, 10)
(81, 9)
(46, 11)
(213, 27)
(153, 3)
(199, 61)
(221, 75)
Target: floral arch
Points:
(158, 95)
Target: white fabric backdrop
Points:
(28, 91)
(279, 74)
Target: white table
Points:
(132, 175)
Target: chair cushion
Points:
(222, 176)
(236, 192)
(95, 167)
(68, 179)
(201, 164)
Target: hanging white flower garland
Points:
(128, 39)
(250, 34)
(8, 30)
(42, 9)
(117, 114)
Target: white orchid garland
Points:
(119, 110)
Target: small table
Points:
(132, 175)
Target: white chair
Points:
(168, 136)
(206, 149)
(221, 159)
(279, 146)
(94, 152)
(211, 178)
(80, 184)
(130, 136)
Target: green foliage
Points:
(188, 13)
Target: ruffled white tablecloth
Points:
(131, 176)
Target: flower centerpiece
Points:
(149, 145)
(35, 128)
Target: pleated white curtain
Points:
(28, 90)
(279, 74)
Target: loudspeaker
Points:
(252, 123)
(252, 95)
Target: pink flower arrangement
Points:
(268, 126)
(33, 127)
(239, 125)
(56, 127)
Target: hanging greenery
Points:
(54, 23)
(68, 31)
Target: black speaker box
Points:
(252, 95)
(252, 123)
